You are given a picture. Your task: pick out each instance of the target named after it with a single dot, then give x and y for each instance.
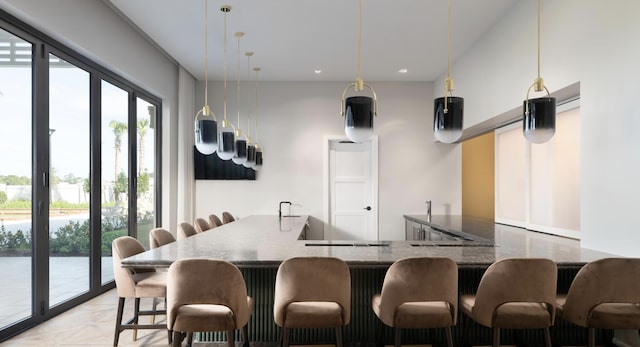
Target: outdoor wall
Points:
(586, 41)
(94, 30)
(294, 117)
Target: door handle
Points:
(368, 208)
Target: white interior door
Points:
(352, 191)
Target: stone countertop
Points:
(468, 227)
(265, 241)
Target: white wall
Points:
(94, 30)
(295, 117)
(595, 43)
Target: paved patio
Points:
(69, 277)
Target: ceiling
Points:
(293, 38)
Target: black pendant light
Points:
(226, 133)
(359, 110)
(205, 123)
(448, 111)
(539, 124)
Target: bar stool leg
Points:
(339, 336)
(245, 335)
(230, 339)
(496, 337)
(547, 337)
(118, 321)
(397, 335)
(285, 337)
(136, 316)
(447, 331)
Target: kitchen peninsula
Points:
(258, 244)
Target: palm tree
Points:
(143, 125)
(119, 129)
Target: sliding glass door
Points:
(16, 254)
(69, 169)
(79, 166)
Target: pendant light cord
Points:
(248, 54)
(238, 35)
(225, 69)
(449, 39)
(539, 38)
(359, 36)
(256, 69)
(206, 54)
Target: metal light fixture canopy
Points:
(539, 124)
(226, 133)
(359, 110)
(448, 111)
(205, 122)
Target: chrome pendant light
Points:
(226, 133)
(251, 150)
(240, 155)
(257, 165)
(205, 123)
(448, 110)
(359, 110)
(539, 123)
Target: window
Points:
(538, 185)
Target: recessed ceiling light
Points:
(403, 71)
(317, 71)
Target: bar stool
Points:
(227, 217)
(312, 292)
(207, 295)
(160, 237)
(201, 225)
(135, 283)
(186, 230)
(418, 293)
(605, 294)
(214, 221)
(514, 293)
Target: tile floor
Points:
(90, 324)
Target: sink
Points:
(293, 215)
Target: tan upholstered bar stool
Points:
(227, 218)
(514, 293)
(418, 293)
(201, 225)
(312, 292)
(185, 230)
(136, 284)
(605, 294)
(207, 295)
(160, 237)
(214, 221)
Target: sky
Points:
(69, 116)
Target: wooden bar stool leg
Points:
(496, 337)
(547, 337)
(397, 335)
(136, 316)
(230, 339)
(339, 336)
(447, 331)
(177, 339)
(592, 337)
(118, 321)
(245, 335)
(285, 337)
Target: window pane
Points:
(15, 184)
(555, 176)
(146, 121)
(115, 182)
(510, 173)
(69, 244)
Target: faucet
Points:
(280, 208)
(428, 210)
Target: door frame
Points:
(326, 202)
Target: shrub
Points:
(3, 197)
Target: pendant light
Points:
(240, 155)
(226, 133)
(539, 123)
(448, 110)
(205, 123)
(251, 150)
(258, 163)
(359, 110)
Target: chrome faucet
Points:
(428, 210)
(280, 208)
